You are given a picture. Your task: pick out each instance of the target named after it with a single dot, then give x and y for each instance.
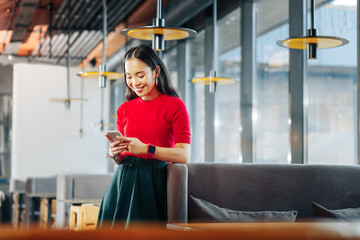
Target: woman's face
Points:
(141, 78)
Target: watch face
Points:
(151, 149)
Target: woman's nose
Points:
(136, 82)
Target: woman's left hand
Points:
(134, 145)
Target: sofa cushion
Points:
(204, 211)
(341, 214)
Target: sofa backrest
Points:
(77, 186)
(280, 187)
(38, 185)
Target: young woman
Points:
(156, 129)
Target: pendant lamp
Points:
(68, 99)
(101, 123)
(81, 131)
(103, 75)
(212, 80)
(158, 33)
(102, 96)
(312, 42)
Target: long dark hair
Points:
(149, 56)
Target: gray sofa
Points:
(260, 187)
(77, 189)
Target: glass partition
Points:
(197, 108)
(227, 97)
(5, 136)
(271, 108)
(331, 88)
(170, 60)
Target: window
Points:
(271, 108)
(197, 108)
(170, 61)
(227, 97)
(331, 88)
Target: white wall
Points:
(44, 142)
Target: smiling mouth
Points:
(139, 89)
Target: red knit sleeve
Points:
(181, 123)
(119, 119)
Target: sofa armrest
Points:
(177, 191)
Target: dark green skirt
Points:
(136, 194)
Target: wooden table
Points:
(299, 230)
(79, 201)
(242, 231)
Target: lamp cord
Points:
(104, 32)
(312, 9)
(215, 40)
(158, 9)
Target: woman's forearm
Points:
(178, 154)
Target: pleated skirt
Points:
(136, 194)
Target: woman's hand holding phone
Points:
(118, 145)
(111, 135)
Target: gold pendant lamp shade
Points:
(147, 32)
(312, 42)
(213, 81)
(96, 75)
(321, 41)
(158, 33)
(103, 75)
(218, 80)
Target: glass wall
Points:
(227, 97)
(197, 109)
(5, 136)
(331, 88)
(170, 60)
(271, 108)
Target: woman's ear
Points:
(157, 71)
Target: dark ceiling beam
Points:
(122, 13)
(23, 20)
(91, 10)
(22, 23)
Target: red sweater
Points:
(161, 122)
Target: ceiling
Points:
(42, 30)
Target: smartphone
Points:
(111, 135)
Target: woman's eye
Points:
(141, 76)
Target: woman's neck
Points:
(152, 95)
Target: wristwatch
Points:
(151, 151)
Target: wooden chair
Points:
(47, 212)
(83, 217)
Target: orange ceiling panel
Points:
(32, 41)
(114, 40)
